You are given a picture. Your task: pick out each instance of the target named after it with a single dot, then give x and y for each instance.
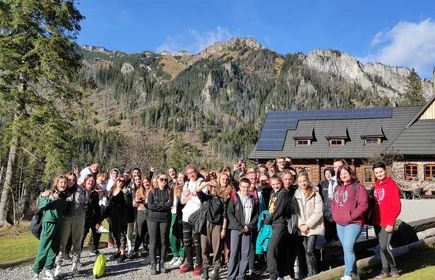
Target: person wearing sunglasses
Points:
(159, 204)
(119, 200)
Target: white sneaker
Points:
(35, 276)
(57, 271)
(178, 263)
(174, 259)
(48, 275)
(345, 277)
(102, 229)
(74, 269)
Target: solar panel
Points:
(275, 126)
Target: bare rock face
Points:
(386, 80)
(126, 68)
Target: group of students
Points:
(229, 217)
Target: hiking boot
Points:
(153, 270)
(205, 274)
(163, 268)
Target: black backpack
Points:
(36, 223)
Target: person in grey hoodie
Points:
(72, 225)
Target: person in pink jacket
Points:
(385, 212)
(347, 207)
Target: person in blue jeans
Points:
(347, 209)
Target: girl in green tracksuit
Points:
(54, 203)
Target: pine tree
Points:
(413, 95)
(38, 72)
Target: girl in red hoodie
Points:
(347, 208)
(386, 210)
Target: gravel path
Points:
(412, 210)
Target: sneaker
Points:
(67, 257)
(57, 271)
(102, 229)
(121, 258)
(395, 274)
(174, 259)
(153, 270)
(35, 276)
(116, 255)
(74, 269)
(197, 270)
(48, 275)
(345, 277)
(163, 268)
(178, 263)
(79, 264)
(110, 244)
(185, 269)
(133, 256)
(382, 275)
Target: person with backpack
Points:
(54, 203)
(350, 201)
(386, 209)
(159, 205)
(326, 190)
(242, 219)
(214, 229)
(308, 206)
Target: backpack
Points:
(99, 266)
(370, 202)
(36, 223)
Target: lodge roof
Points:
(399, 128)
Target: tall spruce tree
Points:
(413, 95)
(38, 72)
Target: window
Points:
(411, 171)
(372, 141)
(303, 142)
(368, 174)
(429, 171)
(336, 142)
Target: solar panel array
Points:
(275, 126)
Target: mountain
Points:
(219, 97)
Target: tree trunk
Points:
(4, 201)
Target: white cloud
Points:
(406, 44)
(197, 41)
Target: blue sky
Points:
(396, 33)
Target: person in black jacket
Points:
(242, 217)
(277, 218)
(93, 212)
(214, 228)
(119, 199)
(159, 204)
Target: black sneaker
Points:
(116, 255)
(121, 258)
(133, 256)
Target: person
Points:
(280, 164)
(89, 170)
(242, 219)
(326, 190)
(191, 204)
(277, 218)
(135, 184)
(385, 212)
(308, 206)
(176, 229)
(93, 213)
(72, 188)
(101, 189)
(139, 203)
(54, 203)
(226, 191)
(264, 191)
(114, 173)
(239, 170)
(214, 228)
(72, 226)
(348, 209)
(251, 175)
(159, 205)
(119, 200)
(172, 172)
(270, 165)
